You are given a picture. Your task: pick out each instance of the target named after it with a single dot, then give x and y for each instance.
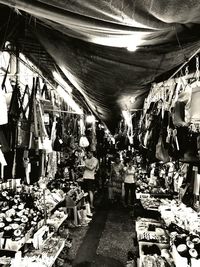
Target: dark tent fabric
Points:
(117, 22)
(108, 77)
(88, 41)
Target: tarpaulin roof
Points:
(88, 41)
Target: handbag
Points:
(4, 145)
(179, 102)
(58, 144)
(44, 141)
(46, 98)
(83, 142)
(179, 114)
(23, 124)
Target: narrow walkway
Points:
(108, 239)
(87, 250)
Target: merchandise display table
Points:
(56, 221)
(152, 238)
(181, 215)
(44, 257)
(154, 203)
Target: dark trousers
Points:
(129, 189)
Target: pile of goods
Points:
(18, 216)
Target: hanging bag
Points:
(181, 97)
(58, 142)
(3, 102)
(23, 123)
(161, 151)
(4, 109)
(4, 145)
(44, 141)
(192, 110)
(83, 142)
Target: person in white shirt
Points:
(129, 182)
(91, 166)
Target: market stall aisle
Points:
(108, 239)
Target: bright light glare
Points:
(90, 119)
(61, 82)
(129, 41)
(66, 97)
(132, 47)
(134, 43)
(132, 99)
(127, 117)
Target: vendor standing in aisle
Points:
(130, 182)
(116, 179)
(91, 166)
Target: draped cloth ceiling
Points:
(88, 41)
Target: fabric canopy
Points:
(88, 41)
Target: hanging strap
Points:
(5, 77)
(30, 116)
(45, 93)
(21, 101)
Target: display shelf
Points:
(56, 222)
(50, 210)
(62, 244)
(48, 254)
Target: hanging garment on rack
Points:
(179, 108)
(4, 110)
(186, 109)
(192, 111)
